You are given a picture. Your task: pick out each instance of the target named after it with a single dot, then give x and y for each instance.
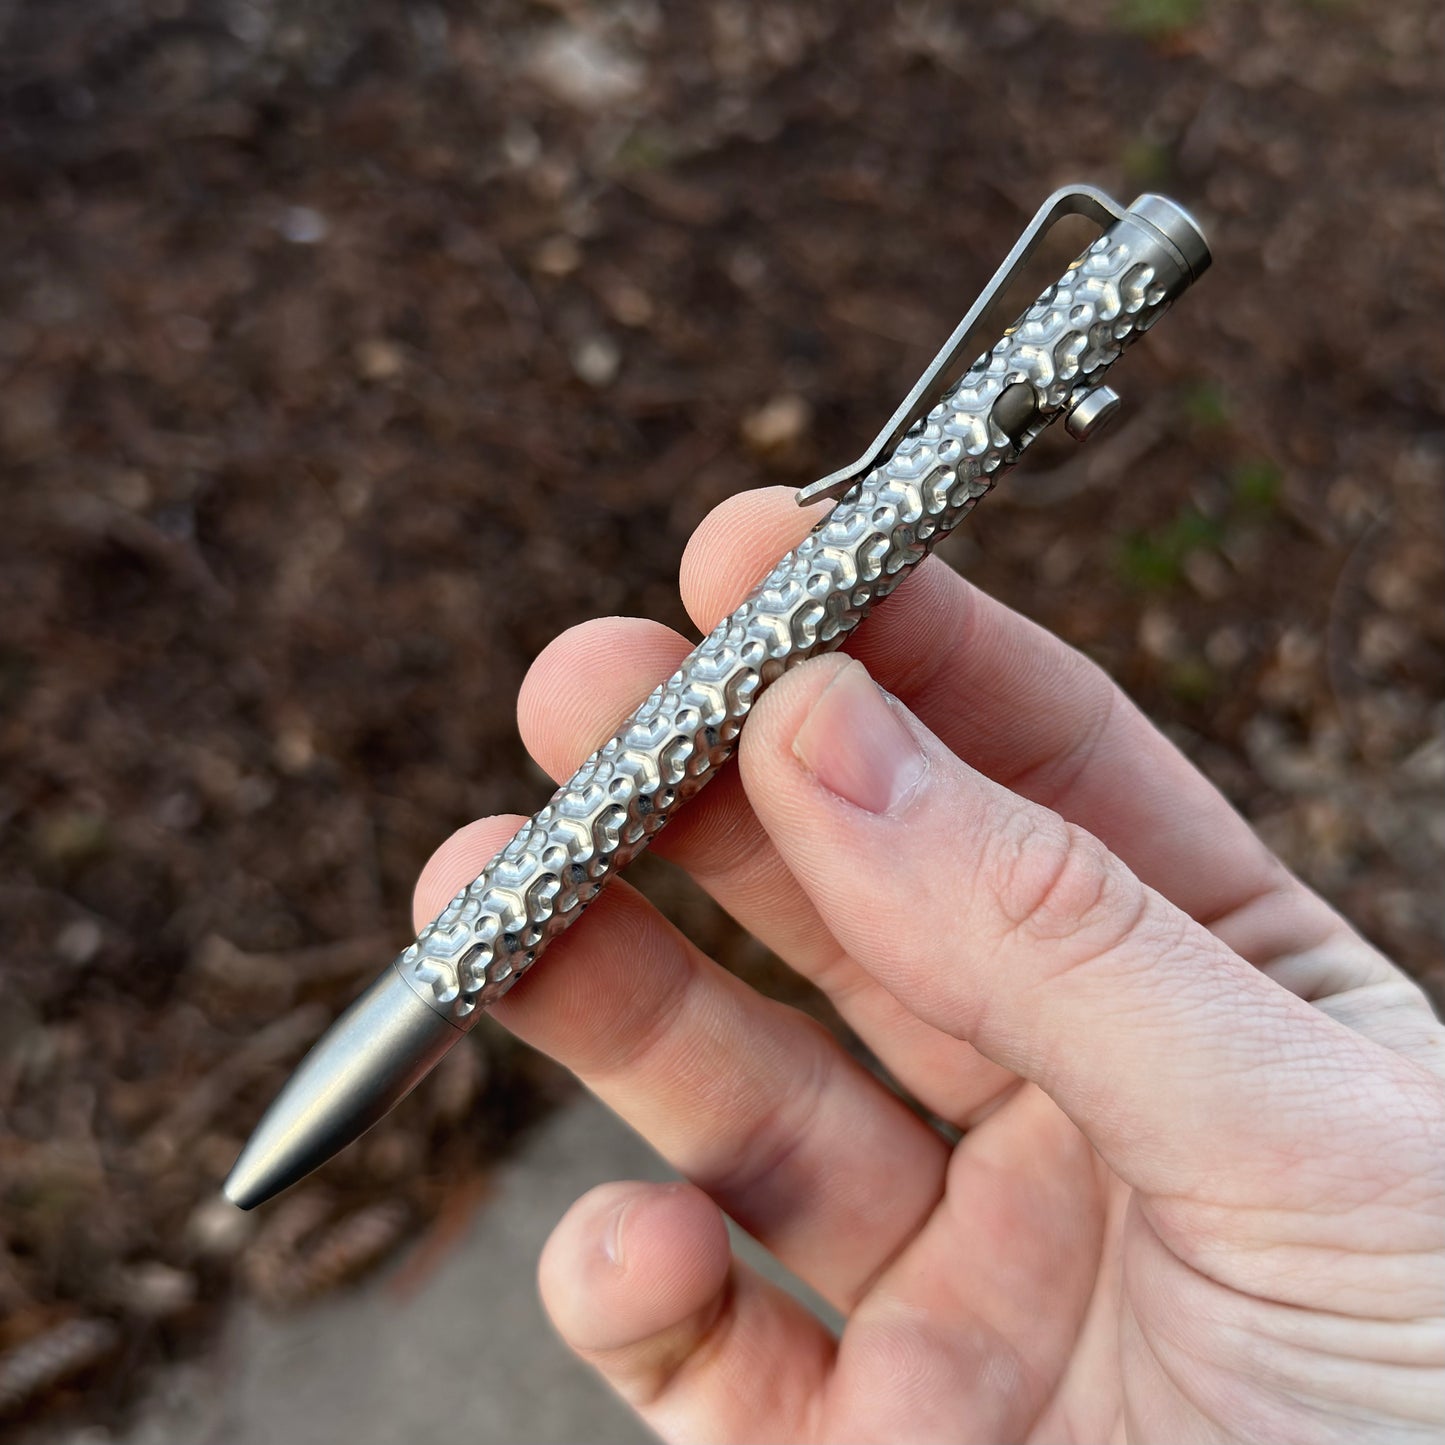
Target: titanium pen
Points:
(957, 431)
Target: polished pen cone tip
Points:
(364, 1064)
(247, 1185)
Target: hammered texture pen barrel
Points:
(1049, 363)
(497, 927)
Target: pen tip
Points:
(364, 1064)
(244, 1187)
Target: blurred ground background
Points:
(349, 352)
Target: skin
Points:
(1200, 1192)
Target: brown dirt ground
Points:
(350, 352)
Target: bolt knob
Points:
(1091, 411)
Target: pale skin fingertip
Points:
(557, 702)
(584, 1252)
(744, 525)
(460, 859)
(634, 1276)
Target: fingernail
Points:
(857, 745)
(612, 1233)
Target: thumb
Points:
(999, 922)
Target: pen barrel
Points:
(540, 882)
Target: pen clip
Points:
(960, 347)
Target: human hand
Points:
(1200, 1192)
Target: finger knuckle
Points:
(769, 1138)
(1052, 879)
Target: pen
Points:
(952, 437)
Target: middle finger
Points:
(575, 693)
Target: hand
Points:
(1200, 1192)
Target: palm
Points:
(1051, 1370)
(1095, 1273)
(1087, 1270)
(1173, 1231)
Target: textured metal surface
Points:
(540, 882)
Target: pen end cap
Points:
(1173, 222)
